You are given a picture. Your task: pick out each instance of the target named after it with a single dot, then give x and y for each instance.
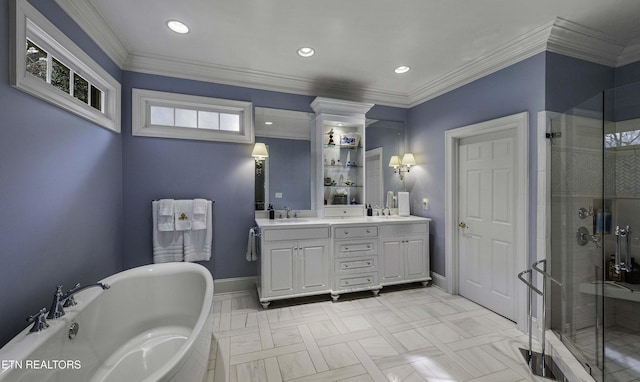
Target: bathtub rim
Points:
(24, 344)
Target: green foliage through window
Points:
(39, 63)
(60, 75)
(36, 61)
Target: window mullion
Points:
(49, 67)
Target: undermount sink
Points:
(291, 220)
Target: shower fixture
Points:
(583, 237)
(583, 213)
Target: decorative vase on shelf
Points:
(331, 142)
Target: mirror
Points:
(383, 140)
(284, 178)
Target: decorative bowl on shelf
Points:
(349, 182)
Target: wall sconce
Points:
(260, 153)
(402, 166)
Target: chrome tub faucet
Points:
(66, 300)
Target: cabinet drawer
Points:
(358, 248)
(356, 282)
(403, 229)
(343, 211)
(357, 265)
(295, 233)
(349, 232)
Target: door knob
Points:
(463, 225)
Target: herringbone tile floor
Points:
(404, 334)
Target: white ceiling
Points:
(358, 43)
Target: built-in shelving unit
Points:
(339, 148)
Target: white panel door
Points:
(374, 177)
(486, 214)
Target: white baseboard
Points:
(234, 284)
(439, 281)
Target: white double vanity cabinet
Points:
(304, 257)
(341, 249)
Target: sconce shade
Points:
(408, 160)
(395, 161)
(260, 151)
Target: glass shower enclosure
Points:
(595, 233)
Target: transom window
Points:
(49, 69)
(182, 116)
(47, 64)
(196, 119)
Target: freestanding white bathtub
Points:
(153, 324)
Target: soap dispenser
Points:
(369, 210)
(272, 213)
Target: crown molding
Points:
(630, 54)
(87, 16)
(558, 36)
(226, 75)
(513, 52)
(578, 41)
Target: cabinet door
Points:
(313, 258)
(278, 276)
(416, 258)
(391, 260)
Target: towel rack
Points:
(540, 364)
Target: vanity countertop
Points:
(312, 221)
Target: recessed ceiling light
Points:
(177, 26)
(306, 52)
(401, 69)
(268, 123)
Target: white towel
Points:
(390, 199)
(252, 253)
(197, 244)
(403, 203)
(199, 214)
(165, 215)
(183, 211)
(167, 245)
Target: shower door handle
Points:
(619, 264)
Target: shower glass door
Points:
(577, 198)
(595, 231)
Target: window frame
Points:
(143, 99)
(27, 23)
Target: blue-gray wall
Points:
(60, 193)
(289, 172)
(628, 74)
(156, 168)
(570, 81)
(518, 88)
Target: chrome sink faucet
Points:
(61, 300)
(288, 211)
